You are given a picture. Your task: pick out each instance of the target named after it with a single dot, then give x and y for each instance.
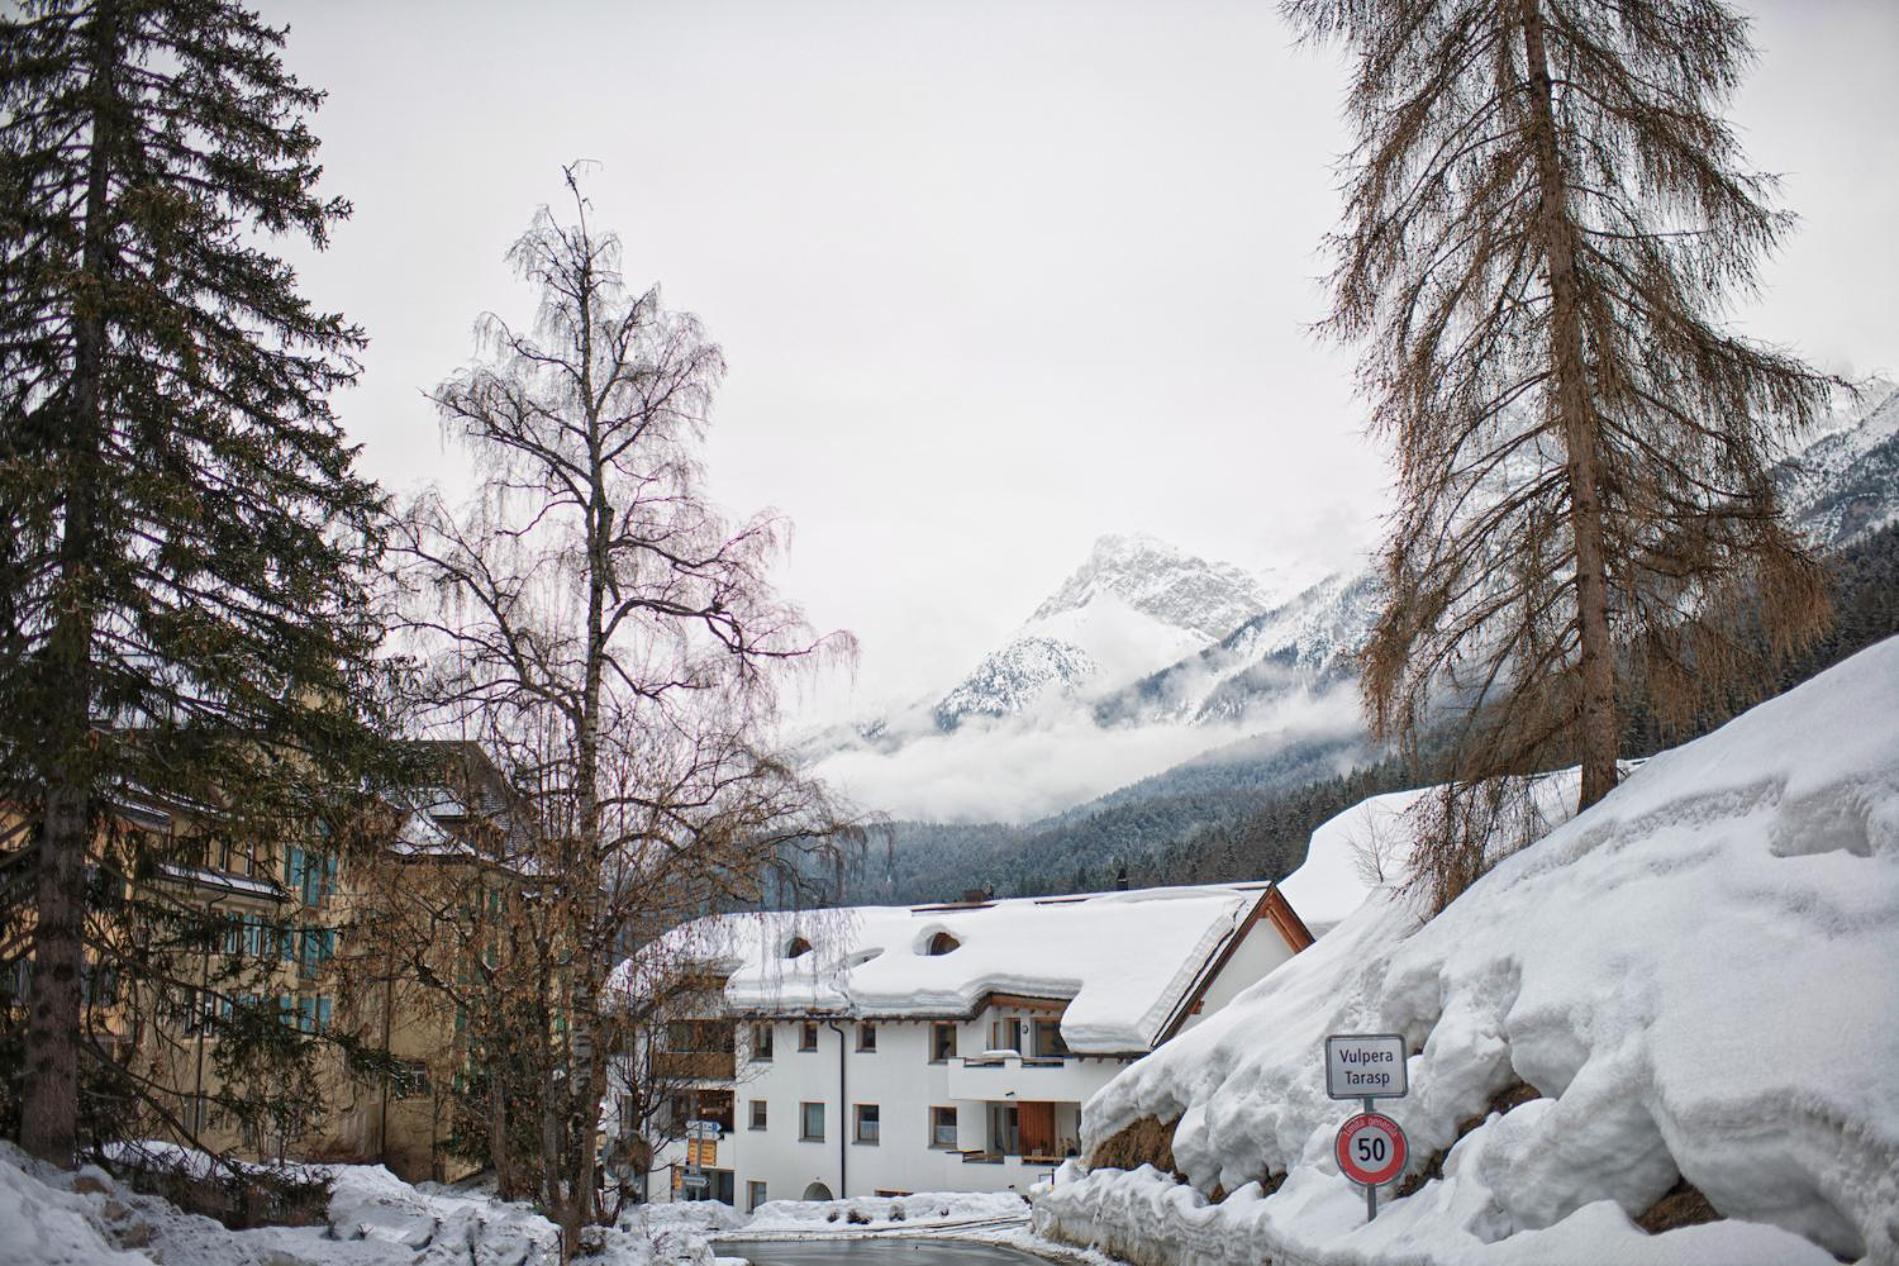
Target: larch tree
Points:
(597, 625)
(187, 544)
(1545, 216)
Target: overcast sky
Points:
(992, 278)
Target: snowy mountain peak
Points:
(1163, 582)
(1136, 604)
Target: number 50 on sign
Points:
(1371, 1149)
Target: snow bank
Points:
(1697, 977)
(47, 1226)
(1124, 959)
(50, 1218)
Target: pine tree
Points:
(1545, 216)
(187, 542)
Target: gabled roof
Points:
(1126, 963)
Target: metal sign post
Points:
(1371, 1148)
(1371, 1189)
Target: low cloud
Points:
(1019, 770)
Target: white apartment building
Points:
(887, 1050)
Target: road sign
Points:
(1371, 1149)
(703, 1130)
(1365, 1066)
(695, 1182)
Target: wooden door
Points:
(1037, 1121)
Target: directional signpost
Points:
(702, 1150)
(1371, 1147)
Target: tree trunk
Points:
(1576, 415)
(49, 1125)
(498, 1132)
(584, 1106)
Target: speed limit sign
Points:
(1371, 1149)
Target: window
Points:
(411, 1080)
(811, 1122)
(942, 1043)
(197, 1008)
(1048, 1039)
(717, 1105)
(316, 946)
(310, 875)
(197, 1113)
(941, 944)
(758, 1114)
(867, 1123)
(808, 1036)
(867, 1037)
(689, 1037)
(313, 1014)
(798, 947)
(1005, 1035)
(1005, 1136)
(942, 1127)
(754, 1196)
(761, 1043)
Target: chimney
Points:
(1121, 880)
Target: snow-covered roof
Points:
(1124, 961)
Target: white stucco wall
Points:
(1262, 950)
(901, 1080)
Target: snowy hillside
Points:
(1691, 983)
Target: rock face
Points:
(1171, 586)
(1845, 484)
(1134, 605)
(1011, 680)
(1306, 643)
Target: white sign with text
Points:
(1365, 1066)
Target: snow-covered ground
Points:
(931, 1211)
(1696, 980)
(994, 1218)
(88, 1218)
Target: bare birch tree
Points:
(611, 639)
(1545, 216)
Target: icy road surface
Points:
(877, 1252)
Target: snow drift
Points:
(1697, 979)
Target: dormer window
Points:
(797, 948)
(941, 944)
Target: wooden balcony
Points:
(695, 1065)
